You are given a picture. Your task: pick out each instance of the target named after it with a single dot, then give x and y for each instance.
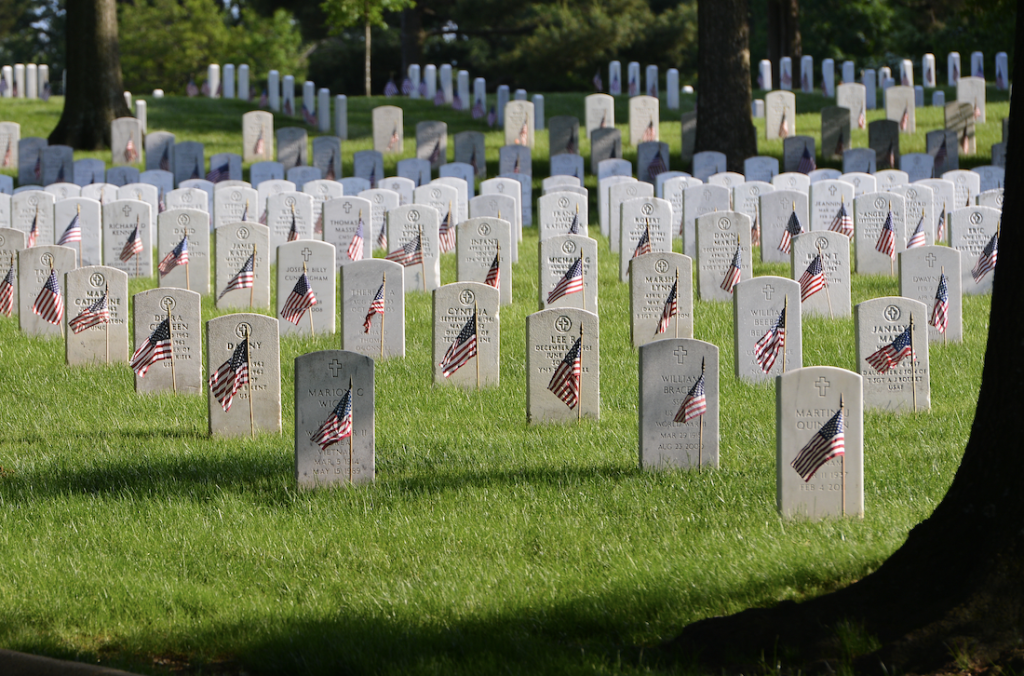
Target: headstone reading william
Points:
(182, 371)
(364, 318)
(894, 382)
(552, 394)
(764, 346)
(256, 406)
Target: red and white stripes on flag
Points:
(887, 238)
(644, 245)
(382, 236)
(446, 233)
(524, 135)
(813, 279)
(732, 275)
(827, 443)
(96, 314)
(462, 349)
(299, 300)
(33, 232)
(792, 229)
(940, 311)
(133, 247)
(987, 260)
(244, 278)
(7, 293)
(767, 348)
(807, 163)
(73, 233)
(784, 126)
(49, 303)
(338, 425)
(411, 253)
(177, 256)
(156, 347)
(376, 308)
(694, 405)
(571, 282)
(565, 382)
(650, 132)
(918, 238)
(355, 247)
(494, 274)
(230, 376)
(842, 223)
(890, 356)
(670, 309)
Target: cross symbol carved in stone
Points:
(822, 385)
(832, 190)
(335, 367)
(768, 290)
(306, 253)
(347, 207)
(931, 258)
(680, 354)
(127, 211)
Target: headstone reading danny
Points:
(333, 383)
(34, 268)
(651, 280)
(832, 299)
(558, 256)
(100, 343)
(669, 372)
(315, 260)
(371, 326)
(235, 244)
(480, 242)
(552, 394)
(893, 363)
(256, 406)
(764, 347)
(921, 269)
(456, 306)
(718, 237)
(806, 400)
(182, 370)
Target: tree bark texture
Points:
(95, 91)
(412, 40)
(724, 121)
(784, 36)
(960, 574)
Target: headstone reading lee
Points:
(551, 337)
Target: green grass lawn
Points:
(129, 537)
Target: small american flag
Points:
(792, 229)
(161, 205)
(813, 279)
(96, 314)
(604, 120)
(131, 154)
(177, 256)
(644, 245)
(133, 247)
(338, 425)
(393, 142)
(784, 126)
(807, 164)
(264, 100)
(987, 259)
(616, 88)
(60, 174)
(827, 443)
(8, 157)
(407, 86)
(260, 145)
(842, 223)
(524, 136)
(293, 230)
(515, 167)
(670, 309)
(264, 215)
(447, 232)
(598, 82)
(905, 118)
(7, 293)
(657, 166)
(940, 230)
(956, 74)
(165, 159)
(732, 275)
(473, 161)
(288, 105)
(245, 211)
(565, 382)
(330, 175)
(650, 132)
(439, 97)
(492, 117)
(410, 254)
(390, 89)
(244, 278)
(653, 90)
(862, 120)
(887, 238)
(372, 178)
(37, 171)
(50, 302)
(435, 154)
(891, 155)
(633, 90)
(230, 376)
(299, 300)
(494, 274)
(478, 109)
(755, 231)
(694, 405)
(571, 281)
(768, 347)
(308, 116)
(73, 233)
(205, 89)
(382, 236)
(196, 171)
(191, 89)
(917, 239)
(940, 159)
(574, 227)
(456, 102)
(461, 350)
(355, 247)
(155, 348)
(940, 312)
(33, 231)
(890, 356)
(572, 145)
(965, 143)
(221, 173)
(376, 308)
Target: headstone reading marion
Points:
(805, 400)
(104, 343)
(235, 243)
(718, 236)
(870, 212)
(669, 370)
(833, 300)
(920, 271)
(557, 256)
(256, 407)
(758, 304)
(652, 277)
(454, 307)
(323, 380)
(551, 337)
(34, 268)
(479, 242)
(891, 387)
(182, 372)
(362, 319)
(173, 226)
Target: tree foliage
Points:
(32, 31)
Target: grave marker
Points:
(292, 147)
(126, 141)
(360, 283)
(903, 387)
(870, 212)
(920, 270)
(406, 225)
(235, 243)
(103, 343)
(642, 218)
(34, 268)
(758, 304)
(697, 201)
(605, 144)
(780, 114)
(557, 256)
(431, 145)
(174, 225)
(479, 241)
(558, 212)
(835, 132)
(776, 211)
(833, 300)
(388, 130)
(651, 279)
(644, 120)
(181, 372)
(256, 407)
(453, 306)
(718, 235)
(550, 338)
(970, 231)
(599, 113)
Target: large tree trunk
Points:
(784, 36)
(960, 574)
(412, 39)
(724, 121)
(95, 92)
(367, 58)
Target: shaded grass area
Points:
(131, 538)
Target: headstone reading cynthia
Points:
(235, 244)
(256, 406)
(181, 371)
(90, 341)
(373, 326)
(764, 346)
(331, 385)
(553, 393)
(806, 400)
(651, 280)
(456, 307)
(678, 381)
(315, 260)
(921, 270)
(893, 362)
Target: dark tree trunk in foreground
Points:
(412, 39)
(95, 92)
(959, 577)
(784, 36)
(724, 121)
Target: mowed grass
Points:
(129, 537)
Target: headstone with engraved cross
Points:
(292, 147)
(322, 382)
(758, 304)
(920, 270)
(120, 219)
(342, 218)
(316, 260)
(256, 406)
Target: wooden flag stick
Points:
(825, 281)
(312, 330)
(423, 260)
(579, 396)
(384, 293)
(351, 434)
(700, 431)
(842, 468)
(79, 235)
(170, 338)
(785, 309)
(106, 324)
(913, 363)
(248, 366)
(252, 288)
(677, 302)
(942, 271)
(476, 331)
